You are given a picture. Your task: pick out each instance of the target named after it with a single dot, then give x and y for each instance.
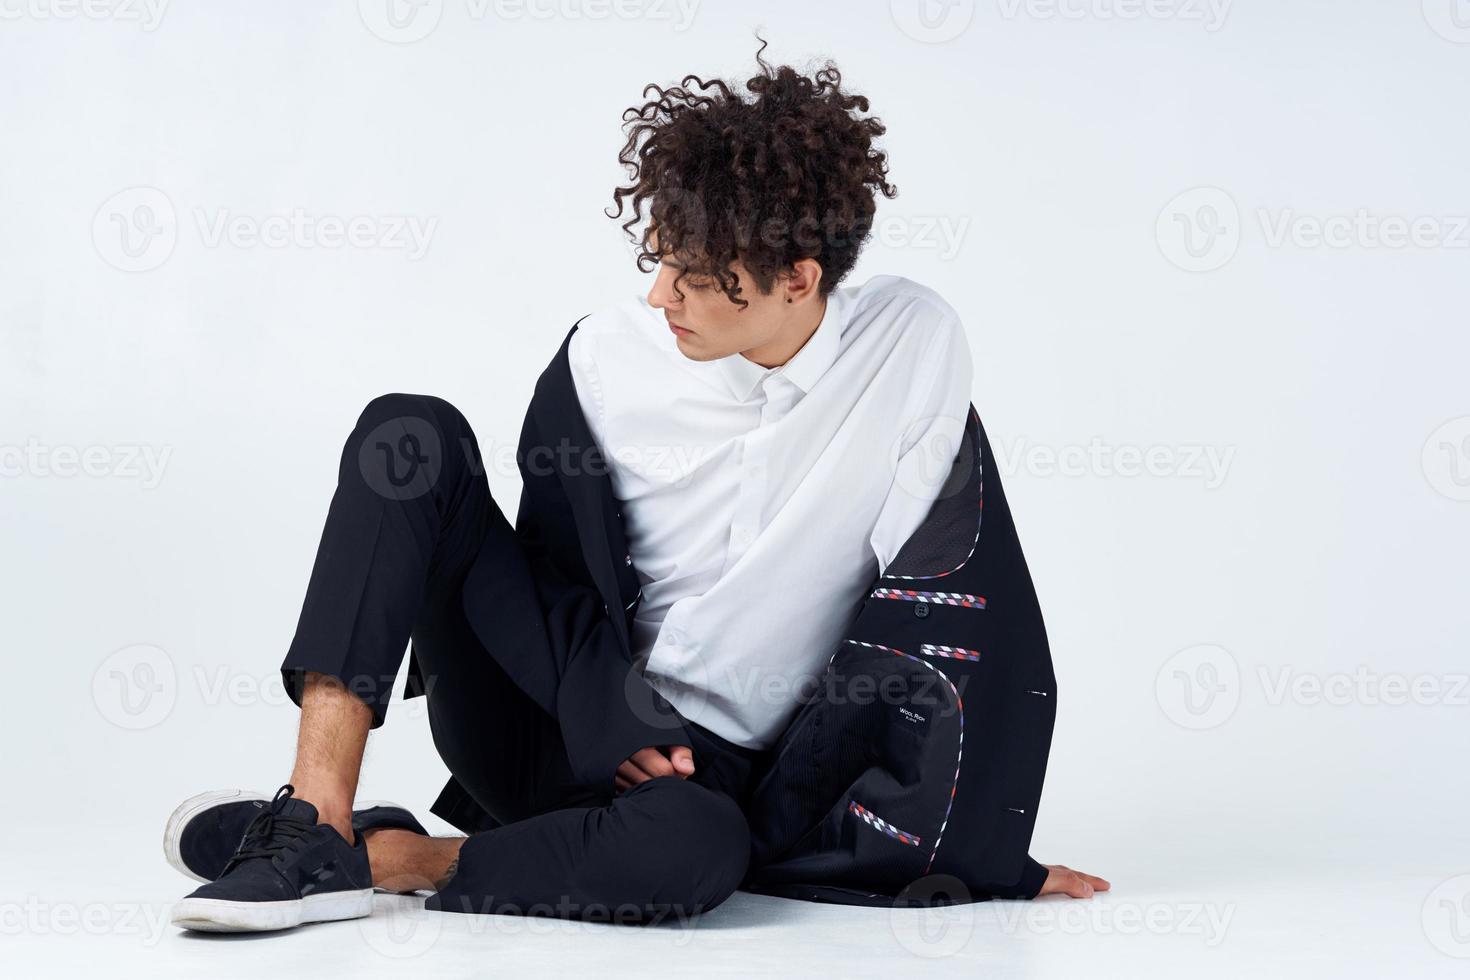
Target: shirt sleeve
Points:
(922, 458)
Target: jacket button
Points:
(921, 610)
(628, 560)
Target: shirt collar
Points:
(805, 367)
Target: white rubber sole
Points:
(173, 831)
(218, 915)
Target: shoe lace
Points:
(271, 832)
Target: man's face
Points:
(713, 325)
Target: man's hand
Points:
(650, 763)
(1062, 880)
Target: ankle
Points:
(333, 809)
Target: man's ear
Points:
(803, 281)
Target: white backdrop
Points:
(1212, 257)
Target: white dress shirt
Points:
(761, 502)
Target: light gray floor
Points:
(95, 904)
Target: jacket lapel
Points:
(586, 481)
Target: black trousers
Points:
(411, 512)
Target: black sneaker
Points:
(288, 870)
(204, 831)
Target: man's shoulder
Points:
(896, 295)
(922, 323)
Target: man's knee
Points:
(699, 845)
(395, 406)
(405, 445)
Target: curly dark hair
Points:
(790, 172)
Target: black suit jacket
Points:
(939, 772)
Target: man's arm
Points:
(609, 715)
(921, 459)
(921, 464)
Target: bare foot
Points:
(403, 861)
